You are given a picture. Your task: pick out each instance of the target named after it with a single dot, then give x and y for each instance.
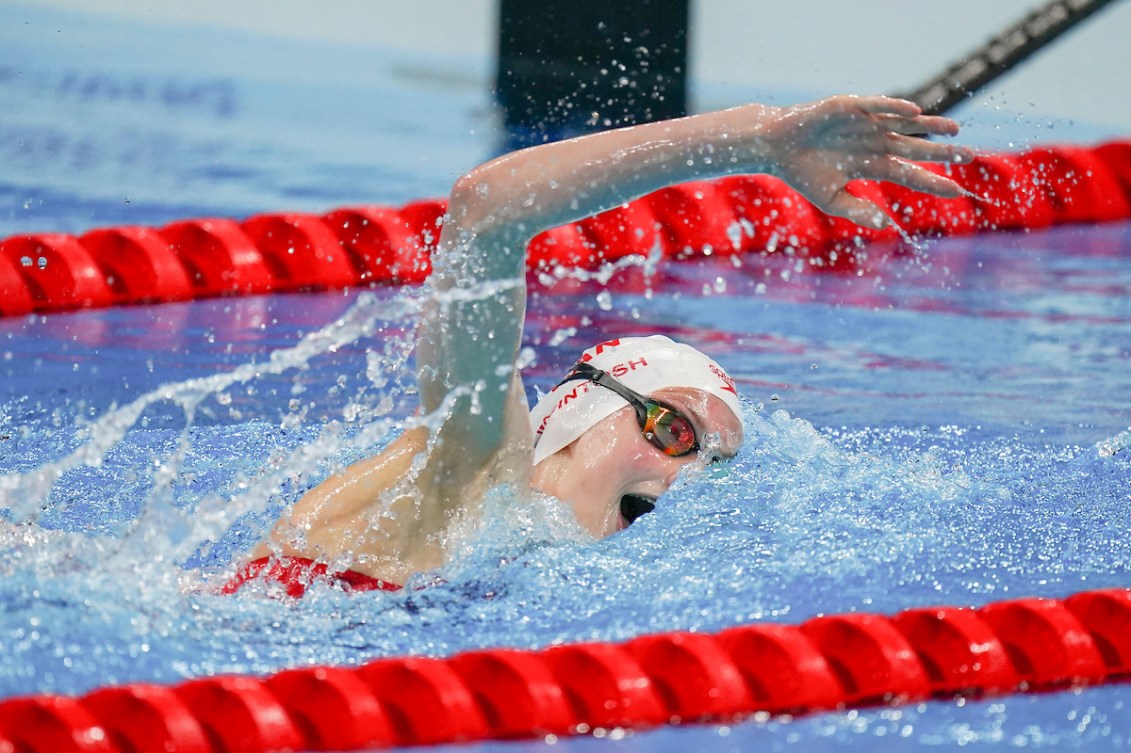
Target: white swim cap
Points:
(644, 364)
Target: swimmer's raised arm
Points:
(470, 335)
(816, 147)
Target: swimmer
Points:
(632, 413)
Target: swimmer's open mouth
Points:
(632, 506)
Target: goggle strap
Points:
(603, 379)
(640, 406)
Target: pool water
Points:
(946, 424)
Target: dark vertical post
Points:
(567, 67)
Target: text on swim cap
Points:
(728, 383)
(623, 368)
(598, 349)
(577, 391)
(580, 389)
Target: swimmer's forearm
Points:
(545, 186)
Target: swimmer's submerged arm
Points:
(471, 330)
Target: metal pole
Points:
(1002, 53)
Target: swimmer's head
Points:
(644, 365)
(608, 460)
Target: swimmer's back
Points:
(368, 514)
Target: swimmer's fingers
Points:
(923, 125)
(919, 150)
(914, 177)
(862, 212)
(902, 116)
(880, 105)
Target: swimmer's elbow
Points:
(471, 207)
(490, 201)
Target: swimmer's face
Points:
(615, 459)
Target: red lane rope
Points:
(199, 258)
(828, 662)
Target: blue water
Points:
(949, 425)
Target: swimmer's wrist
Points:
(734, 141)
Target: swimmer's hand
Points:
(818, 147)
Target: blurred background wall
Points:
(773, 50)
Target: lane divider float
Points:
(749, 215)
(829, 662)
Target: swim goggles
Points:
(665, 427)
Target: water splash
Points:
(165, 529)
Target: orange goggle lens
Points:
(669, 431)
